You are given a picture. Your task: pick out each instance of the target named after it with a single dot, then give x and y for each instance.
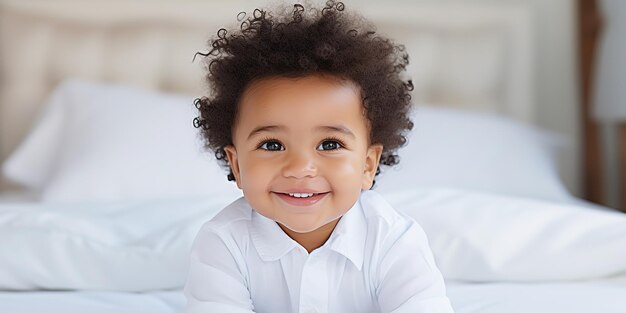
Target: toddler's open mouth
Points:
(301, 198)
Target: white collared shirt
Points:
(376, 260)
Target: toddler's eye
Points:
(272, 146)
(329, 145)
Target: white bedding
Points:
(585, 297)
(91, 302)
(504, 254)
(138, 245)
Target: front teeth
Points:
(301, 195)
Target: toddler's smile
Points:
(302, 198)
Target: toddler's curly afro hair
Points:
(301, 43)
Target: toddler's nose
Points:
(299, 165)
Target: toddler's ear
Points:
(231, 154)
(371, 165)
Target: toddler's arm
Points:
(408, 278)
(215, 283)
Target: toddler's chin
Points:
(304, 227)
(300, 228)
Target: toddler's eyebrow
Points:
(338, 128)
(264, 128)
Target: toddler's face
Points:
(297, 137)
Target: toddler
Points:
(304, 107)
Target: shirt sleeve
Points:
(215, 282)
(408, 278)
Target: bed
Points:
(98, 211)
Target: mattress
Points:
(605, 296)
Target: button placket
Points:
(314, 285)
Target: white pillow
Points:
(485, 237)
(459, 149)
(31, 164)
(107, 142)
(126, 245)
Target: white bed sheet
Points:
(605, 296)
(91, 302)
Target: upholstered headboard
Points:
(472, 56)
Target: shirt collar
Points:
(270, 240)
(347, 239)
